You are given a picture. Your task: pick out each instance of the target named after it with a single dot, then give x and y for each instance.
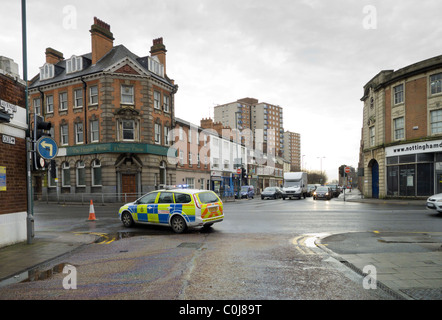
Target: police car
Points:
(177, 208)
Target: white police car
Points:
(177, 208)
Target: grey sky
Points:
(312, 57)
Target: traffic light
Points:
(341, 171)
(40, 126)
(41, 129)
(244, 173)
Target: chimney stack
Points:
(53, 56)
(159, 49)
(102, 39)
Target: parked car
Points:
(247, 192)
(177, 208)
(335, 189)
(435, 202)
(322, 193)
(272, 193)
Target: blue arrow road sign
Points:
(47, 148)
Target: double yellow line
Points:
(301, 246)
(104, 237)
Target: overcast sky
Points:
(311, 57)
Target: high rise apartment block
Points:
(264, 121)
(292, 149)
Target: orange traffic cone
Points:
(92, 212)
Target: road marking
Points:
(105, 236)
(303, 244)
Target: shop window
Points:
(425, 157)
(407, 158)
(392, 160)
(425, 179)
(407, 180)
(392, 180)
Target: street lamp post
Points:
(321, 165)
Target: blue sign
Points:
(47, 148)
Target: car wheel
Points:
(127, 220)
(178, 224)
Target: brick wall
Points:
(416, 108)
(13, 157)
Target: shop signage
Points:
(116, 147)
(413, 148)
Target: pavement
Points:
(406, 275)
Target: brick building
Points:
(292, 149)
(13, 191)
(111, 112)
(193, 155)
(401, 146)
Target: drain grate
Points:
(193, 245)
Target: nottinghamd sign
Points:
(412, 148)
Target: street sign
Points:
(347, 170)
(47, 148)
(238, 171)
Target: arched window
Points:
(81, 174)
(74, 64)
(96, 173)
(47, 71)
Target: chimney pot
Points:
(53, 56)
(102, 39)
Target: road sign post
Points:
(346, 172)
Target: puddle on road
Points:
(36, 275)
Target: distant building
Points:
(264, 120)
(401, 147)
(111, 112)
(292, 150)
(13, 126)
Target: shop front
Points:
(414, 169)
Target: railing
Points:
(85, 198)
(100, 198)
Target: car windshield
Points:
(244, 188)
(270, 189)
(292, 183)
(322, 189)
(208, 197)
